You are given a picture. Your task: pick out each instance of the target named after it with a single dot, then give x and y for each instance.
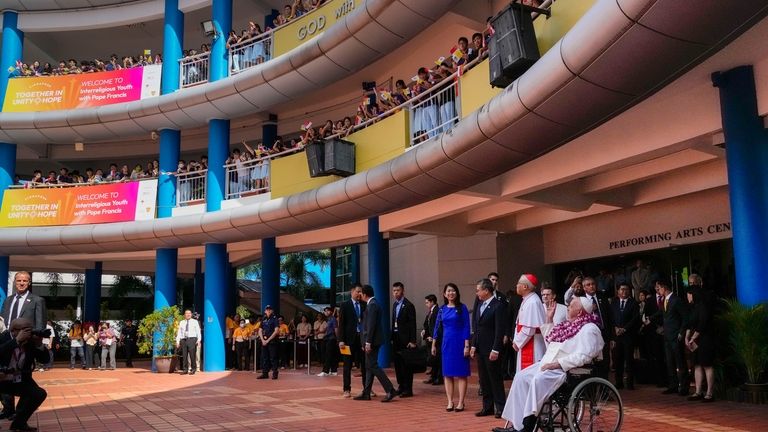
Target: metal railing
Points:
(194, 69)
(250, 53)
(190, 187)
(251, 177)
(436, 113)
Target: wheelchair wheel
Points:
(595, 406)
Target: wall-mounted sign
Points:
(670, 237)
(113, 202)
(312, 24)
(86, 90)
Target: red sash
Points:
(526, 351)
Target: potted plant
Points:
(749, 340)
(157, 335)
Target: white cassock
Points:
(532, 386)
(528, 336)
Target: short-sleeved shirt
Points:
(268, 326)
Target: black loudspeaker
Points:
(315, 158)
(339, 157)
(513, 48)
(331, 157)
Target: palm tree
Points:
(54, 281)
(299, 280)
(251, 271)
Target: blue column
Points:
(746, 143)
(218, 150)
(13, 44)
(199, 284)
(173, 41)
(270, 274)
(378, 273)
(165, 277)
(92, 298)
(222, 22)
(354, 265)
(11, 51)
(7, 173)
(170, 146)
(5, 267)
(214, 309)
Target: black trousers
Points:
(355, 349)
(623, 359)
(189, 353)
(677, 369)
(241, 352)
(31, 396)
(331, 355)
(491, 383)
(372, 360)
(269, 359)
(130, 348)
(436, 374)
(403, 371)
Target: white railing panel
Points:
(194, 70)
(190, 187)
(250, 53)
(436, 113)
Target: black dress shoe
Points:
(388, 397)
(498, 414)
(262, 377)
(438, 382)
(406, 394)
(669, 391)
(362, 396)
(483, 413)
(429, 381)
(503, 429)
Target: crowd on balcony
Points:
(295, 10)
(65, 177)
(72, 66)
(431, 115)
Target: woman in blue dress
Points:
(452, 331)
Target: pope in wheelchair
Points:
(571, 344)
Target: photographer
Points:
(19, 349)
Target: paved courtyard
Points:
(138, 400)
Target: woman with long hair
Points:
(452, 332)
(76, 345)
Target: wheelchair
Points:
(586, 402)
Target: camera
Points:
(44, 334)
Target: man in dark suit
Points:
(19, 350)
(403, 338)
(24, 304)
(490, 324)
(625, 316)
(601, 308)
(373, 337)
(430, 320)
(672, 317)
(350, 327)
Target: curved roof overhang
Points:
(368, 33)
(620, 52)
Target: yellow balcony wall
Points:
(290, 174)
(475, 88)
(564, 15)
(374, 145)
(312, 24)
(381, 141)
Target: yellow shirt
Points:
(241, 334)
(283, 331)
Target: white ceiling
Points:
(47, 5)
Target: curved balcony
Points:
(372, 30)
(533, 115)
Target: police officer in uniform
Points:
(268, 334)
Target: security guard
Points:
(268, 335)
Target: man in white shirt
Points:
(528, 341)
(188, 337)
(570, 344)
(548, 298)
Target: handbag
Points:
(415, 358)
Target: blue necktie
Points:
(357, 313)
